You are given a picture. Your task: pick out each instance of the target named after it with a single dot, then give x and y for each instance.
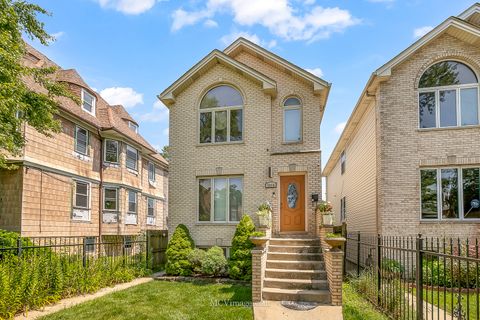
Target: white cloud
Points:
(210, 23)
(420, 32)
(159, 113)
(128, 6)
(316, 71)
(58, 35)
(229, 38)
(339, 127)
(124, 96)
(278, 16)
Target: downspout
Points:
(100, 191)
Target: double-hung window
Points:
(132, 158)
(450, 193)
(150, 207)
(343, 162)
(221, 116)
(151, 171)
(111, 151)
(81, 140)
(343, 208)
(110, 199)
(132, 202)
(82, 195)
(292, 120)
(220, 199)
(448, 96)
(88, 102)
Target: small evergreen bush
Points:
(178, 249)
(214, 262)
(240, 264)
(196, 257)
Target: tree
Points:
(165, 152)
(240, 264)
(18, 103)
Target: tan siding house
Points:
(96, 177)
(423, 112)
(244, 129)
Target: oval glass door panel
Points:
(292, 195)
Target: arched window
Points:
(292, 120)
(221, 115)
(448, 96)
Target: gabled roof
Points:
(242, 44)
(269, 86)
(464, 27)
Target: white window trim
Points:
(116, 199)
(93, 104)
(154, 207)
(457, 88)
(126, 157)
(212, 112)
(212, 198)
(88, 195)
(133, 126)
(105, 151)
(294, 107)
(343, 208)
(128, 202)
(154, 171)
(87, 151)
(439, 195)
(343, 162)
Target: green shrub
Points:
(437, 272)
(196, 257)
(240, 264)
(214, 262)
(178, 249)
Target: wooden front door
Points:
(292, 203)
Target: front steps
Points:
(295, 271)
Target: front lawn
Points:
(449, 302)
(167, 300)
(355, 307)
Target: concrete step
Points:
(295, 274)
(295, 264)
(306, 284)
(294, 249)
(294, 256)
(321, 296)
(294, 242)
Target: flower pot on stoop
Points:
(327, 218)
(259, 242)
(335, 243)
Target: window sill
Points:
(132, 171)
(111, 164)
(475, 221)
(152, 184)
(82, 157)
(448, 128)
(220, 144)
(233, 224)
(80, 221)
(289, 143)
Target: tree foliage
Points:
(240, 265)
(178, 250)
(18, 103)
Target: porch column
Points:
(259, 263)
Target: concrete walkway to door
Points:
(273, 310)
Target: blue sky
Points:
(131, 50)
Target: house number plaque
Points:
(270, 184)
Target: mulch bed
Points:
(164, 277)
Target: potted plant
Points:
(259, 239)
(326, 210)
(335, 240)
(264, 214)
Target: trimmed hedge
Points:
(240, 264)
(178, 250)
(214, 262)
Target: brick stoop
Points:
(295, 271)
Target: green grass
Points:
(166, 300)
(355, 307)
(439, 298)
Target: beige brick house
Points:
(97, 177)
(244, 129)
(408, 159)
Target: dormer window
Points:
(133, 126)
(88, 102)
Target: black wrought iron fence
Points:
(416, 277)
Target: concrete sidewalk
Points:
(273, 310)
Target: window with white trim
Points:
(111, 151)
(343, 208)
(450, 193)
(151, 207)
(151, 171)
(448, 96)
(343, 162)
(82, 195)
(110, 199)
(132, 158)
(292, 120)
(221, 115)
(88, 102)
(81, 140)
(132, 202)
(220, 199)
(133, 126)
